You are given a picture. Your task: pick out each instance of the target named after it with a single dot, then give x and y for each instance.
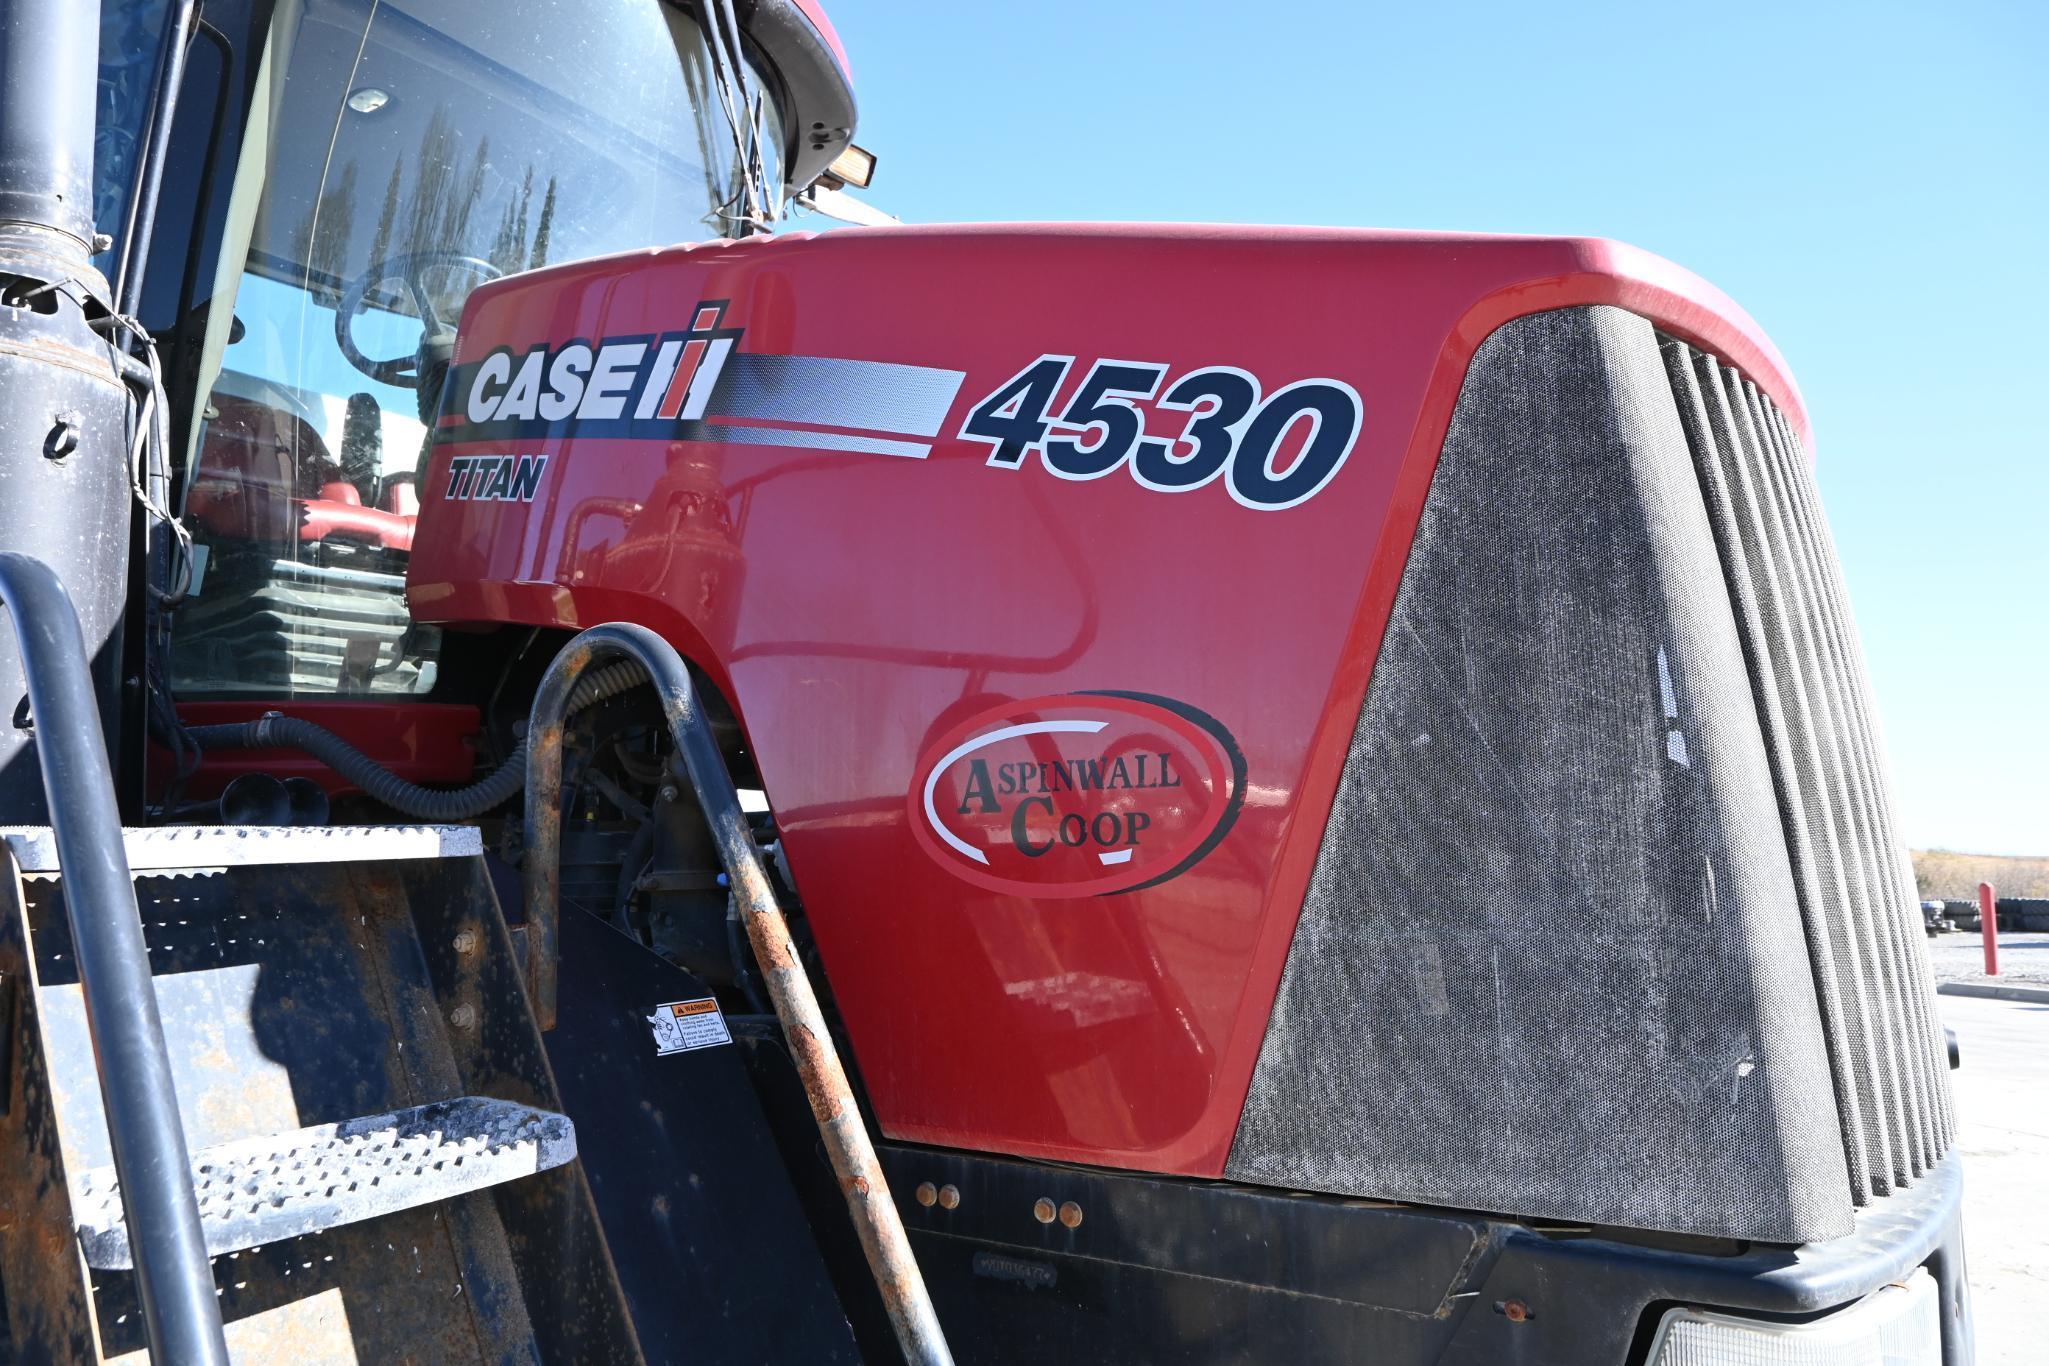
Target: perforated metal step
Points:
(258, 1190)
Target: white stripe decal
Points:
(815, 441)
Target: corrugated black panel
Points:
(1856, 891)
(1552, 961)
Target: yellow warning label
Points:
(680, 1026)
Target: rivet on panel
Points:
(1043, 1210)
(949, 1197)
(1070, 1214)
(928, 1195)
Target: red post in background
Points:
(1988, 922)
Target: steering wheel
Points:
(437, 335)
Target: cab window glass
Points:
(398, 154)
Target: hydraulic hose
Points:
(380, 783)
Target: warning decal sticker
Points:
(683, 1025)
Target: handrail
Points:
(874, 1213)
(181, 1314)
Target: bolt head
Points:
(466, 942)
(928, 1194)
(1070, 1214)
(463, 1017)
(949, 1197)
(1044, 1211)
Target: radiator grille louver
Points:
(1857, 896)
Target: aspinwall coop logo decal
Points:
(1077, 795)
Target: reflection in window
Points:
(399, 153)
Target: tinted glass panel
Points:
(398, 154)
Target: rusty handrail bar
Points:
(881, 1229)
(181, 1313)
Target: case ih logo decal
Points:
(1077, 795)
(1271, 453)
(696, 385)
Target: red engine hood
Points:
(805, 460)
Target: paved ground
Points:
(2003, 1098)
(2023, 958)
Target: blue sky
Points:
(1868, 180)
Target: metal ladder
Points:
(98, 1170)
(261, 1190)
(372, 1118)
(341, 1022)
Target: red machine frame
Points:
(857, 606)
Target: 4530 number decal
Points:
(1212, 423)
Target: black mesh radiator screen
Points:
(1608, 924)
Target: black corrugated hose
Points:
(379, 782)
